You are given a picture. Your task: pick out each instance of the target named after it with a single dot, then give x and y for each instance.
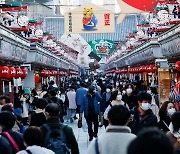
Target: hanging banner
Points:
(2, 1)
(102, 47)
(76, 42)
(89, 18)
(132, 6)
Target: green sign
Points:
(102, 47)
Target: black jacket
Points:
(130, 100)
(139, 122)
(104, 104)
(5, 146)
(70, 138)
(37, 119)
(18, 138)
(164, 123)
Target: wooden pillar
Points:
(164, 84)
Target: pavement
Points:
(82, 136)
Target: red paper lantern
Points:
(12, 72)
(44, 73)
(4, 71)
(178, 65)
(25, 73)
(36, 78)
(19, 73)
(50, 73)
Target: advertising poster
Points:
(89, 18)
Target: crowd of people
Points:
(135, 121)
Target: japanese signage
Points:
(89, 18)
(102, 47)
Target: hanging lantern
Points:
(12, 72)
(44, 73)
(36, 78)
(4, 71)
(178, 65)
(49, 73)
(25, 73)
(19, 73)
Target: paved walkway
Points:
(82, 136)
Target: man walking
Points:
(90, 107)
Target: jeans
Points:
(71, 113)
(90, 120)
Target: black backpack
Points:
(55, 139)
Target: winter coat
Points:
(130, 100)
(18, 138)
(80, 94)
(104, 103)
(72, 99)
(85, 104)
(114, 141)
(147, 120)
(36, 150)
(70, 138)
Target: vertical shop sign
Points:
(107, 19)
(70, 22)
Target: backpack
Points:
(56, 140)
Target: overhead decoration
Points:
(89, 18)
(132, 6)
(102, 47)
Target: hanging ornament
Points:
(22, 21)
(140, 34)
(163, 16)
(154, 22)
(132, 6)
(38, 33)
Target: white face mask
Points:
(104, 82)
(117, 84)
(113, 89)
(124, 92)
(171, 111)
(145, 106)
(119, 97)
(129, 90)
(108, 90)
(121, 83)
(149, 91)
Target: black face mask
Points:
(91, 91)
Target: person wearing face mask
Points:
(106, 98)
(90, 108)
(166, 111)
(116, 100)
(129, 98)
(142, 116)
(174, 127)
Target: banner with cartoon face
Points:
(102, 47)
(89, 18)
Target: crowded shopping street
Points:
(89, 76)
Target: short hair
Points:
(151, 141)
(41, 103)
(7, 119)
(7, 107)
(109, 86)
(126, 86)
(114, 94)
(53, 92)
(7, 99)
(144, 96)
(33, 136)
(176, 121)
(119, 115)
(53, 109)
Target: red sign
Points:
(107, 19)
